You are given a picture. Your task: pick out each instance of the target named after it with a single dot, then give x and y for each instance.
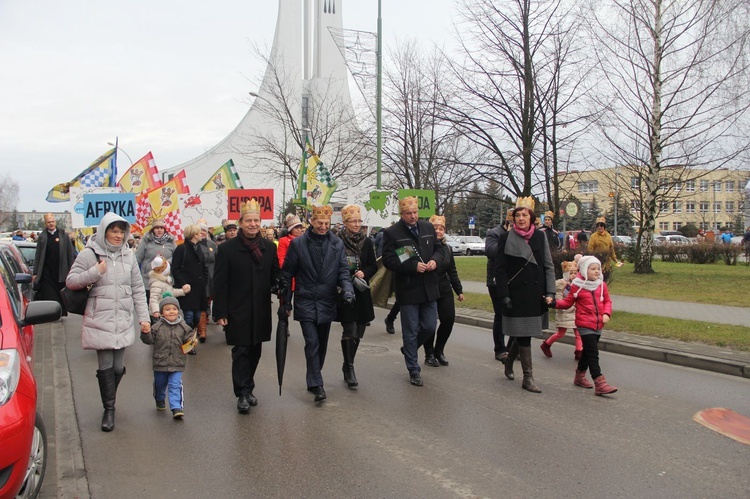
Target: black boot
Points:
(524, 353)
(108, 391)
(349, 349)
(512, 353)
(118, 377)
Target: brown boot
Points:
(601, 387)
(202, 327)
(512, 354)
(524, 353)
(580, 380)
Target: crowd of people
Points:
(320, 274)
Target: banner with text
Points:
(264, 197)
(425, 199)
(95, 206)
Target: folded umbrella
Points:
(282, 338)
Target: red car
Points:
(23, 440)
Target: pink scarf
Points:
(524, 234)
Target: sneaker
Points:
(177, 413)
(161, 405)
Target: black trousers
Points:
(244, 363)
(446, 309)
(497, 324)
(590, 355)
(393, 313)
(316, 346)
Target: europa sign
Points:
(95, 206)
(237, 197)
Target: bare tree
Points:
(673, 84)
(8, 201)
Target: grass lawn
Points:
(714, 284)
(722, 335)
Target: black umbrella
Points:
(282, 338)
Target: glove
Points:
(349, 299)
(553, 304)
(506, 304)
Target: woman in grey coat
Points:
(157, 241)
(116, 299)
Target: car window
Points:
(28, 253)
(14, 295)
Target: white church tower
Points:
(303, 51)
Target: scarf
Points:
(353, 243)
(252, 244)
(526, 234)
(588, 286)
(165, 238)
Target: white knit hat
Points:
(160, 265)
(585, 262)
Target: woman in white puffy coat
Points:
(117, 298)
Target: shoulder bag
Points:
(75, 300)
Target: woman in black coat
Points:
(189, 267)
(525, 278)
(246, 270)
(448, 283)
(354, 318)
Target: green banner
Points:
(425, 199)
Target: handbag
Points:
(75, 299)
(360, 284)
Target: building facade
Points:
(709, 199)
(34, 220)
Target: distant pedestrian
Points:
(553, 238)
(168, 336)
(52, 262)
(564, 319)
(208, 247)
(593, 310)
(117, 300)
(230, 229)
(726, 236)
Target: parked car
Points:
(674, 239)
(19, 265)
(456, 247)
(472, 245)
(23, 439)
(28, 251)
(623, 240)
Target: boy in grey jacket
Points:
(168, 336)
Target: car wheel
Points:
(37, 465)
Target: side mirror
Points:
(41, 312)
(22, 278)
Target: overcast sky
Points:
(171, 77)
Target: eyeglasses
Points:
(353, 221)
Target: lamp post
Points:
(379, 99)
(117, 147)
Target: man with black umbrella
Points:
(246, 270)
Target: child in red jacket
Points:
(593, 310)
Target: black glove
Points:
(349, 299)
(506, 304)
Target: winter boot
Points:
(202, 327)
(349, 349)
(545, 348)
(524, 353)
(118, 377)
(108, 391)
(512, 354)
(601, 387)
(580, 380)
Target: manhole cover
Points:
(373, 349)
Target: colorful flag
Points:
(320, 184)
(162, 203)
(101, 173)
(141, 177)
(226, 177)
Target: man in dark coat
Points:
(317, 262)
(412, 251)
(52, 261)
(553, 237)
(246, 269)
(490, 250)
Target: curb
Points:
(675, 357)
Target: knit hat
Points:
(229, 225)
(157, 223)
(585, 262)
(292, 221)
(159, 265)
(168, 299)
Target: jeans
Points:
(172, 382)
(418, 323)
(316, 346)
(192, 317)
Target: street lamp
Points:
(117, 146)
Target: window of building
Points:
(635, 182)
(677, 206)
(729, 186)
(690, 186)
(704, 185)
(704, 226)
(676, 225)
(663, 184)
(635, 205)
(730, 206)
(588, 186)
(717, 186)
(663, 225)
(664, 206)
(689, 206)
(717, 207)
(678, 186)
(704, 206)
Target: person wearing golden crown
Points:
(354, 318)
(525, 279)
(317, 262)
(412, 251)
(246, 269)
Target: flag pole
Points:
(379, 100)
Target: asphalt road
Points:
(468, 432)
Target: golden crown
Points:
(252, 206)
(549, 214)
(437, 220)
(568, 266)
(324, 211)
(408, 203)
(527, 202)
(350, 212)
